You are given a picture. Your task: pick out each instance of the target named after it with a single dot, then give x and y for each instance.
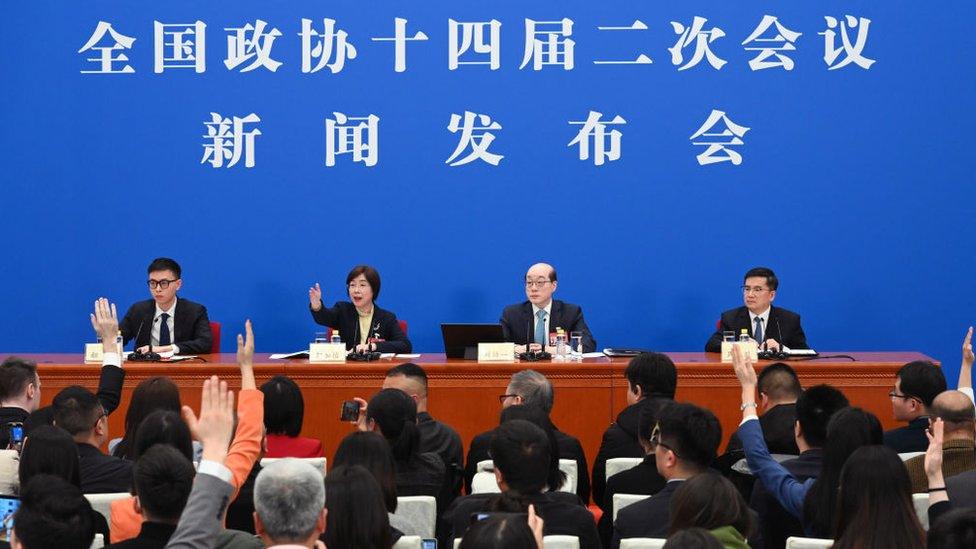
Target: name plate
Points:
(94, 352)
(496, 352)
(327, 353)
(751, 349)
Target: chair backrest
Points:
(921, 502)
(642, 543)
(560, 542)
(616, 465)
(419, 510)
(409, 542)
(215, 330)
(484, 483)
(905, 456)
(623, 500)
(98, 542)
(568, 466)
(319, 462)
(103, 502)
(793, 542)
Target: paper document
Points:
(179, 358)
(296, 354)
(408, 355)
(597, 354)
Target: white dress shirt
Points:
(170, 321)
(535, 319)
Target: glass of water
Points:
(728, 336)
(576, 345)
(321, 337)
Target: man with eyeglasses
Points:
(528, 324)
(772, 327)
(916, 386)
(170, 325)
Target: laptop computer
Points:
(461, 340)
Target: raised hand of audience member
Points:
(215, 426)
(245, 357)
(105, 321)
(745, 372)
(966, 370)
(933, 462)
(536, 524)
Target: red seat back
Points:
(215, 330)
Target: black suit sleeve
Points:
(110, 387)
(396, 340)
(799, 340)
(506, 322)
(326, 316)
(202, 339)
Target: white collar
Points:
(763, 315)
(171, 311)
(547, 309)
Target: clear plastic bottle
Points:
(561, 350)
(744, 336)
(336, 338)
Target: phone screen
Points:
(8, 506)
(350, 411)
(17, 433)
(429, 544)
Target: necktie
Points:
(164, 337)
(758, 331)
(540, 327)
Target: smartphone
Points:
(8, 506)
(350, 411)
(17, 432)
(428, 544)
(483, 515)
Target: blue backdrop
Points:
(856, 185)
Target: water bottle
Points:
(744, 336)
(336, 338)
(561, 353)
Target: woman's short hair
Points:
(284, 407)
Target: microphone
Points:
(532, 356)
(361, 356)
(136, 356)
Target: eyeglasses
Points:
(164, 283)
(359, 285)
(893, 394)
(655, 440)
(501, 398)
(753, 289)
(536, 283)
(103, 414)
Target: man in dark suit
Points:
(543, 315)
(530, 388)
(916, 386)
(170, 325)
(685, 440)
(770, 326)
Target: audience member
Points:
(79, 412)
(372, 452)
(284, 413)
(356, 514)
(557, 477)
(649, 376)
(152, 394)
(874, 508)
(289, 505)
(685, 439)
(710, 501)
(693, 538)
(53, 513)
(530, 388)
(508, 530)
(522, 460)
(957, 412)
(916, 386)
(779, 388)
(20, 394)
(435, 436)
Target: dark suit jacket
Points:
(776, 523)
(152, 535)
(642, 479)
(191, 326)
(441, 439)
(343, 317)
(562, 514)
(101, 473)
(780, 321)
(569, 448)
(516, 319)
(649, 518)
(777, 426)
(962, 490)
(619, 441)
(910, 438)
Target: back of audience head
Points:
(778, 384)
(284, 406)
(162, 479)
(372, 452)
(49, 450)
(651, 375)
(522, 456)
(916, 386)
(954, 530)
(958, 413)
(357, 517)
(814, 409)
(154, 393)
(163, 427)
(530, 388)
(686, 441)
(709, 501)
(409, 378)
(647, 420)
(848, 430)
(510, 531)
(52, 513)
(874, 502)
(19, 383)
(534, 415)
(79, 412)
(693, 538)
(289, 503)
(394, 413)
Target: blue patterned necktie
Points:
(758, 331)
(540, 327)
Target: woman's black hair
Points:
(538, 417)
(357, 517)
(49, 450)
(284, 407)
(709, 501)
(372, 452)
(396, 415)
(154, 393)
(510, 531)
(163, 427)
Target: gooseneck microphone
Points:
(136, 356)
(533, 356)
(362, 356)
